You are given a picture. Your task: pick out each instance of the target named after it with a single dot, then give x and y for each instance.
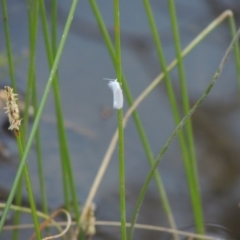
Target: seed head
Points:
(89, 224)
(12, 108)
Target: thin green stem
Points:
(8, 44)
(126, 89)
(54, 26)
(191, 166)
(39, 112)
(64, 152)
(50, 62)
(29, 190)
(120, 124)
(129, 99)
(177, 130)
(192, 45)
(136, 118)
(13, 83)
(39, 155)
(171, 96)
(33, 30)
(236, 49)
(32, 26)
(67, 173)
(18, 201)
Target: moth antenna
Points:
(109, 79)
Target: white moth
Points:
(117, 93)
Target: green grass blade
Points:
(8, 44)
(171, 94)
(177, 129)
(67, 173)
(50, 62)
(137, 120)
(126, 90)
(121, 156)
(13, 83)
(33, 31)
(39, 155)
(18, 201)
(39, 112)
(191, 167)
(32, 201)
(236, 49)
(54, 22)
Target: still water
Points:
(91, 121)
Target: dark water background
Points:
(85, 99)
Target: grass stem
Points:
(29, 190)
(190, 159)
(8, 44)
(67, 173)
(177, 129)
(236, 49)
(120, 123)
(39, 112)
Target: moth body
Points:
(117, 93)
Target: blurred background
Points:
(91, 121)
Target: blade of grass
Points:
(33, 13)
(8, 44)
(39, 156)
(126, 90)
(189, 162)
(33, 28)
(120, 123)
(170, 67)
(33, 31)
(169, 86)
(176, 131)
(67, 173)
(51, 47)
(39, 112)
(13, 83)
(236, 49)
(140, 129)
(18, 201)
(136, 103)
(29, 189)
(54, 22)
(50, 62)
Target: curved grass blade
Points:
(39, 113)
(176, 131)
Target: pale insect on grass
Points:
(117, 93)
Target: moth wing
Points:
(117, 97)
(112, 85)
(117, 94)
